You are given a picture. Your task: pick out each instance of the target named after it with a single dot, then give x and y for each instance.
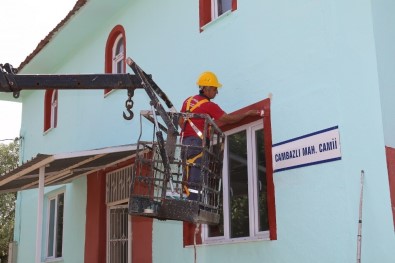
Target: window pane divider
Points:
(251, 174)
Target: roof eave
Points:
(49, 37)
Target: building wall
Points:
(74, 221)
(319, 59)
(382, 11)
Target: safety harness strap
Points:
(200, 102)
(191, 161)
(191, 109)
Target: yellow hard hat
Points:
(208, 78)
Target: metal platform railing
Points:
(159, 185)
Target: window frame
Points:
(118, 57)
(50, 198)
(254, 192)
(117, 34)
(215, 9)
(118, 198)
(51, 105)
(208, 11)
(254, 233)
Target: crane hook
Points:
(129, 106)
(130, 112)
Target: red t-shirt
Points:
(210, 108)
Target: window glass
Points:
(118, 56)
(223, 6)
(55, 226)
(263, 223)
(238, 185)
(54, 109)
(217, 230)
(119, 66)
(59, 225)
(51, 228)
(50, 109)
(119, 46)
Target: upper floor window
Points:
(50, 109)
(115, 53)
(210, 10)
(118, 55)
(55, 226)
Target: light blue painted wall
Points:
(385, 38)
(74, 221)
(25, 225)
(319, 60)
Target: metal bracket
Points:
(8, 72)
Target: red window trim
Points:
(234, 5)
(48, 109)
(390, 154)
(115, 32)
(189, 228)
(205, 12)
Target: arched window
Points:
(115, 52)
(50, 109)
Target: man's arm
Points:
(233, 118)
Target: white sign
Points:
(314, 148)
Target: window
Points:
(210, 10)
(119, 221)
(118, 235)
(248, 190)
(118, 56)
(50, 109)
(55, 226)
(245, 212)
(115, 53)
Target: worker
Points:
(192, 129)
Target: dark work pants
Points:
(194, 179)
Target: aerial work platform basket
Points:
(159, 185)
